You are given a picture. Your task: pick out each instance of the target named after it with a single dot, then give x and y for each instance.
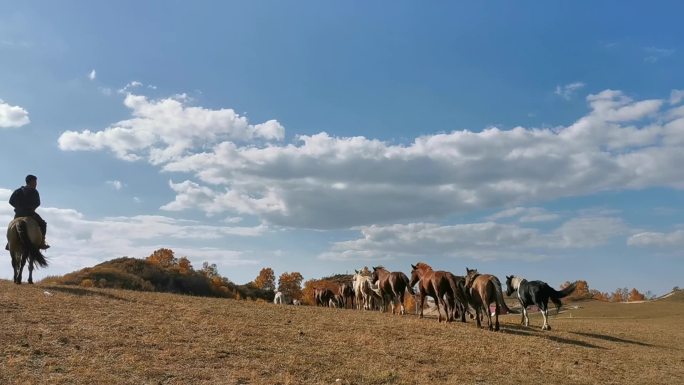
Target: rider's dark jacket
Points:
(25, 200)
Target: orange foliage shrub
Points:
(184, 266)
(409, 303)
(290, 284)
(581, 291)
(163, 257)
(597, 295)
(87, 283)
(266, 279)
(634, 295)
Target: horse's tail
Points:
(34, 253)
(408, 284)
(556, 295)
(499, 297)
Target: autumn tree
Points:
(184, 265)
(163, 257)
(620, 295)
(634, 295)
(290, 284)
(266, 279)
(597, 295)
(308, 292)
(581, 290)
(209, 270)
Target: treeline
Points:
(161, 272)
(582, 291)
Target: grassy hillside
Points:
(143, 275)
(73, 335)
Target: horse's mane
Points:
(423, 266)
(380, 267)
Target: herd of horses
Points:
(456, 295)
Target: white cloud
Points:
(673, 239)
(128, 87)
(92, 75)
(12, 116)
(485, 240)
(321, 181)
(655, 54)
(105, 91)
(81, 242)
(165, 130)
(525, 214)
(568, 90)
(676, 96)
(116, 184)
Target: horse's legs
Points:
(439, 313)
(15, 266)
(490, 326)
(30, 267)
(451, 307)
(445, 305)
(496, 315)
(422, 303)
(545, 311)
(21, 267)
(402, 311)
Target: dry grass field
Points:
(71, 335)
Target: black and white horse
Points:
(536, 293)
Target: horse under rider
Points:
(25, 200)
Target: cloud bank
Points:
(323, 182)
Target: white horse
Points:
(23, 240)
(280, 298)
(366, 293)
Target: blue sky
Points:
(542, 141)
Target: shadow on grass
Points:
(527, 332)
(611, 338)
(84, 292)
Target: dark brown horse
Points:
(346, 292)
(484, 289)
(435, 284)
(323, 296)
(391, 286)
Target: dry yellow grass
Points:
(93, 336)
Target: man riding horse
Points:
(25, 201)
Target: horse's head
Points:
(374, 276)
(415, 275)
(471, 274)
(509, 285)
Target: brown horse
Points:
(484, 289)
(346, 291)
(437, 285)
(24, 237)
(323, 296)
(391, 286)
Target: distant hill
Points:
(143, 275)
